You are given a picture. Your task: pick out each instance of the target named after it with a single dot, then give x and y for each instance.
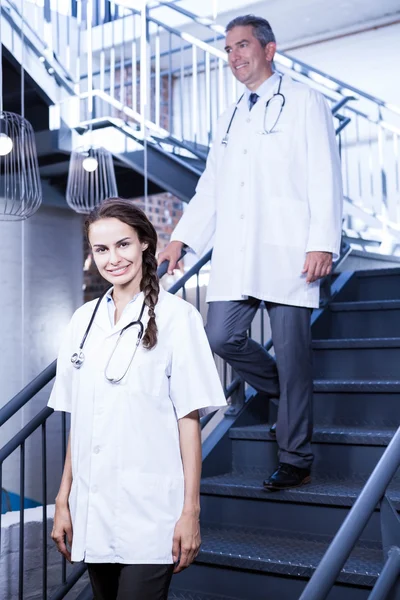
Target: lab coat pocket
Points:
(147, 372)
(151, 505)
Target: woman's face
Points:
(117, 251)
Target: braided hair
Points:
(127, 212)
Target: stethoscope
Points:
(78, 358)
(277, 95)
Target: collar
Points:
(110, 299)
(265, 88)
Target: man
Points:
(270, 201)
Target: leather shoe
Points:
(287, 476)
(272, 430)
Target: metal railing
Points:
(169, 83)
(343, 543)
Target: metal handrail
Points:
(305, 69)
(344, 541)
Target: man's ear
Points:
(270, 50)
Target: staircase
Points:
(259, 544)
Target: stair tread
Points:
(354, 434)
(356, 385)
(364, 305)
(333, 492)
(378, 272)
(375, 342)
(283, 553)
(187, 595)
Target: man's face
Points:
(249, 61)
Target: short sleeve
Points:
(61, 394)
(194, 380)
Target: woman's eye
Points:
(99, 250)
(124, 244)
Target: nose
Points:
(234, 55)
(115, 259)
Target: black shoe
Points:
(287, 476)
(272, 430)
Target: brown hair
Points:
(128, 213)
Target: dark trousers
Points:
(289, 378)
(130, 582)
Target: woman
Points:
(129, 502)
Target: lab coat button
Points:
(94, 489)
(245, 151)
(96, 449)
(248, 120)
(242, 184)
(242, 216)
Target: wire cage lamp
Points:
(91, 178)
(91, 175)
(20, 185)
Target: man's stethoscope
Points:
(277, 96)
(78, 358)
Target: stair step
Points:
(371, 319)
(342, 452)
(186, 595)
(356, 385)
(360, 359)
(365, 305)
(338, 344)
(248, 484)
(317, 508)
(377, 284)
(337, 434)
(375, 410)
(277, 552)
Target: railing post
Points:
(331, 564)
(237, 401)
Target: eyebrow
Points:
(104, 245)
(237, 44)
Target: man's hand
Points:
(317, 265)
(172, 253)
(62, 528)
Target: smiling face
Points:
(117, 252)
(249, 61)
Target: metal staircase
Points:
(156, 97)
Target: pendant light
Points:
(20, 185)
(91, 175)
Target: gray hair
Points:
(262, 30)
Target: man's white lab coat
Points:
(265, 200)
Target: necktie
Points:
(253, 99)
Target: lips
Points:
(241, 66)
(119, 271)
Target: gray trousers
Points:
(289, 378)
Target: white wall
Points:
(368, 60)
(41, 283)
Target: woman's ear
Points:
(144, 247)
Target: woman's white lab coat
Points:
(128, 485)
(265, 200)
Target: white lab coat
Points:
(128, 485)
(265, 200)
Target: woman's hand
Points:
(62, 528)
(187, 541)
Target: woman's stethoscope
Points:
(78, 358)
(277, 96)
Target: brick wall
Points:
(164, 211)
